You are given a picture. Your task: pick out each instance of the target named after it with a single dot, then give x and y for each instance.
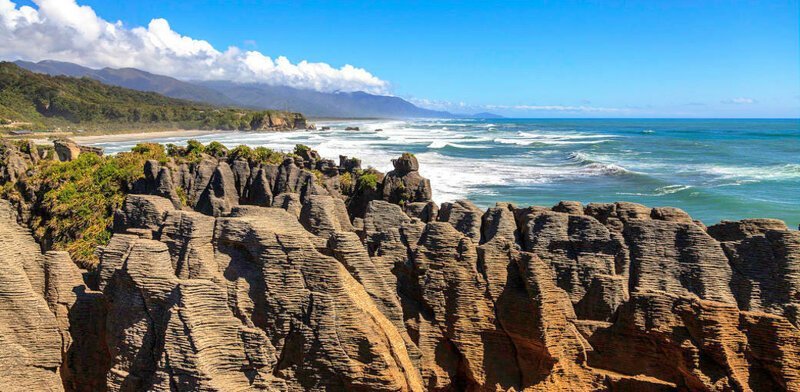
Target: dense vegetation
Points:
(36, 101)
(75, 201)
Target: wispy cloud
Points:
(461, 107)
(559, 108)
(739, 101)
(434, 104)
(66, 31)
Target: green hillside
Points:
(36, 101)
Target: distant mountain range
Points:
(251, 95)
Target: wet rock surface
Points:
(234, 289)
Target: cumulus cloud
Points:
(740, 101)
(66, 31)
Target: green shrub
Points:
(176, 151)
(182, 196)
(266, 155)
(300, 149)
(194, 147)
(346, 183)
(216, 149)
(368, 180)
(319, 177)
(242, 152)
(152, 149)
(80, 198)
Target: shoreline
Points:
(454, 174)
(134, 136)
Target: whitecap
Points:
(438, 144)
(564, 135)
(607, 169)
(670, 189)
(660, 191)
(444, 143)
(770, 172)
(512, 141)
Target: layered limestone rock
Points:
(325, 216)
(50, 323)
(265, 277)
(215, 186)
(765, 258)
(464, 216)
(590, 261)
(404, 183)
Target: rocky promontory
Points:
(230, 271)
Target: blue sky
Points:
(536, 59)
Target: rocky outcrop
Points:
(325, 215)
(464, 216)
(295, 292)
(50, 322)
(66, 150)
(404, 183)
(142, 214)
(278, 121)
(765, 260)
(215, 186)
(15, 162)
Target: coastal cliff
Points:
(228, 270)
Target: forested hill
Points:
(31, 100)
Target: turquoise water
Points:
(713, 169)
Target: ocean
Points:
(715, 169)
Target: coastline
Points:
(134, 136)
(540, 162)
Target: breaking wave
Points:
(584, 160)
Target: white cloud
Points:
(740, 101)
(461, 107)
(66, 31)
(433, 104)
(558, 108)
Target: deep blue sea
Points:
(714, 169)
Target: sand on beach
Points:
(122, 137)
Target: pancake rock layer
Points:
(270, 280)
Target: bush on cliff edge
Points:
(74, 202)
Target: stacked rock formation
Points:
(404, 184)
(266, 280)
(50, 323)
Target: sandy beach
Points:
(122, 137)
